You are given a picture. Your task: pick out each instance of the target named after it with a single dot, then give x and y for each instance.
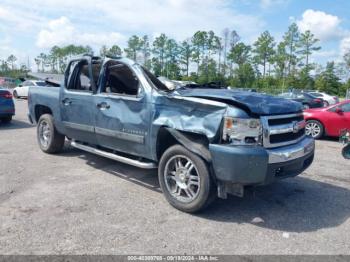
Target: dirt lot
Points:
(77, 203)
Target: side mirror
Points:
(20, 85)
(338, 110)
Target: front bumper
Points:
(255, 165)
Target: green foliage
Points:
(328, 81)
(264, 50)
(239, 53)
(113, 51)
(291, 39)
(134, 46)
(307, 46)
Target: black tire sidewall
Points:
(346, 151)
(6, 119)
(321, 128)
(48, 119)
(15, 94)
(202, 199)
(56, 140)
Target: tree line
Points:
(266, 65)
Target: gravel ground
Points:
(78, 203)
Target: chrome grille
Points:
(282, 130)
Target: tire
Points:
(306, 106)
(314, 129)
(191, 198)
(346, 151)
(7, 119)
(15, 95)
(50, 141)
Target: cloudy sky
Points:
(33, 26)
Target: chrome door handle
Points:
(66, 101)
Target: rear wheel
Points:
(49, 139)
(314, 129)
(185, 179)
(7, 119)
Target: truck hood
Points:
(256, 103)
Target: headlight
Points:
(242, 131)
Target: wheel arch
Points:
(194, 142)
(39, 110)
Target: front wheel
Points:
(314, 129)
(15, 95)
(49, 139)
(185, 179)
(346, 151)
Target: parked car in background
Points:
(22, 89)
(329, 121)
(7, 107)
(308, 101)
(327, 99)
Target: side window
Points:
(120, 79)
(79, 77)
(25, 83)
(346, 108)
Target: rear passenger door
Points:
(76, 101)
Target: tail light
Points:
(6, 95)
(317, 100)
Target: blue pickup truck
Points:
(206, 143)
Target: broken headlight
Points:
(242, 131)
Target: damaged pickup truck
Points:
(204, 142)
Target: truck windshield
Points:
(154, 80)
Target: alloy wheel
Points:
(182, 179)
(44, 133)
(312, 129)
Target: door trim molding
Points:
(120, 135)
(79, 126)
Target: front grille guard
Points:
(292, 127)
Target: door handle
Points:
(66, 101)
(103, 106)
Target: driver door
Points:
(122, 111)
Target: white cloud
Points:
(345, 45)
(324, 26)
(61, 31)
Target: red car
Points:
(329, 121)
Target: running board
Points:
(125, 160)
